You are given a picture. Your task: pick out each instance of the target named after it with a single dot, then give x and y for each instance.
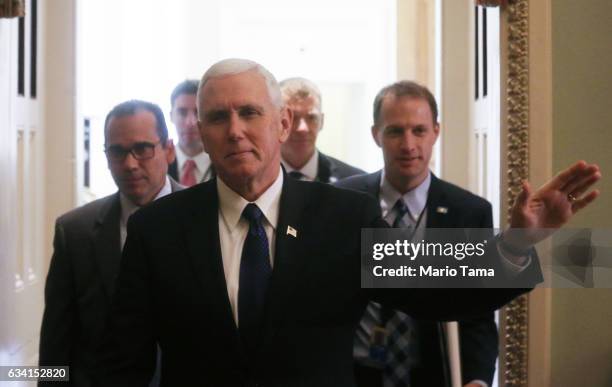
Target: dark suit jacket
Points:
(80, 285)
(331, 169)
(478, 337)
(172, 290)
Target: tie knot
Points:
(189, 165)
(296, 175)
(252, 213)
(400, 208)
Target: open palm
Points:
(538, 214)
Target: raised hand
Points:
(536, 215)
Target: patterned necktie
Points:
(401, 210)
(296, 175)
(188, 177)
(255, 271)
(400, 337)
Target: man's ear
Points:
(286, 120)
(436, 130)
(170, 151)
(375, 135)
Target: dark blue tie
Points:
(400, 210)
(296, 175)
(255, 271)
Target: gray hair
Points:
(301, 88)
(234, 66)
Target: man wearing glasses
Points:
(89, 240)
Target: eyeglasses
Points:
(140, 150)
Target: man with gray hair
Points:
(300, 156)
(253, 278)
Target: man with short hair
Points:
(253, 278)
(88, 240)
(406, 128)
(300, 156)
(192, 164)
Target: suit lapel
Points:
(372, 184)
(288, 259)
(324, 170)
(438, 207)
(106, 242)
(201, 231)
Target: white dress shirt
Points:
(128, 208)
(202, 161)
(233, 230)
(309, 170)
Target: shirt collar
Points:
(128, 208)
(415, 199)
(232, 204)
(310, 169)
(202, 159)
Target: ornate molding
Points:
(491, 3)
(515, 315)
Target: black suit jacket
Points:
(331, 169)
(478, 337)
(172, 290)
(80, 285)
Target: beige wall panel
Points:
(59, 112)
(582, 115)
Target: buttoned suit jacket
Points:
(448, 206)
(80, 285)
(172, 290)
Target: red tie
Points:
(188, 177)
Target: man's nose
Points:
(301, 126)
(130, 162)
(408, 141)
(236, 127)
(192, 119)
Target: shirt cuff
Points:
(513, 263)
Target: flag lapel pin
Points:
(291, 231)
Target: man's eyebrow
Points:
(215, 113)
(252, 106)
(393, 126)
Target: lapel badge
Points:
(291, 231)
(442, 210)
